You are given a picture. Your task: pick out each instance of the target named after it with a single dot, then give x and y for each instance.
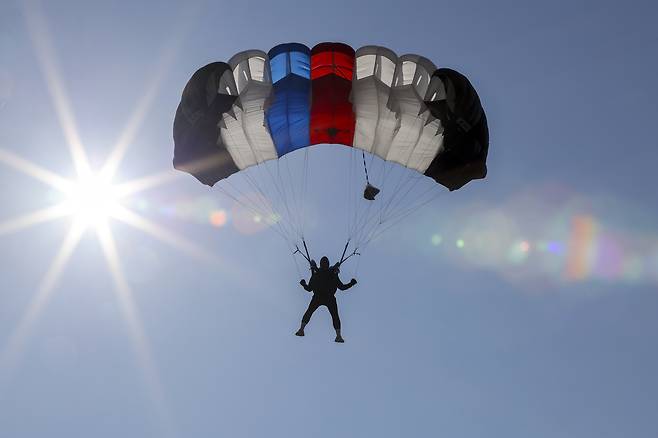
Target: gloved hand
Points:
(353, 281)
(303, 282)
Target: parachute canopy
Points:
(260, 106)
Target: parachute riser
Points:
(306, 256)
(343, 258)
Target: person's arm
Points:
(342, 286)
(307, 286)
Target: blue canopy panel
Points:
(288, 114)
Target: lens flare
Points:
(518, 252)
(92, 201)
(581, 250)
(546, 236)
(218, 218)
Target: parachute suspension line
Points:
(292, 247)
(364, 166)
(394, 208)
(299, 271)
(299, 199)
(352, 206)
(247, 201)
(397, 218)
(399, 195)
(360, 214)
(304, 254)
(343, 258)
(355, 269)
(349, 193)
(400, 201)
(399, 204)
(394, 219)
(295, 197)
(308, 256)
(289, 188)
(265, 208)
(402, 216)
(357, 217)
(354, 168)
(241, 155)
(304, 198)
(300, 194)
(349, 202)
(368, 214)
(394, 192)
(279, 190)
(293, 189)
(364, 219)
(283, 184)
(289, 198)
(388, 209)
(286, 225)
(254, 183)
(281, 220)
(369, 218)
(225, 192)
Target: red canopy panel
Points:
(332, 118)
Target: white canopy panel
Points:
(245, 132)
(371, 87)
(418, 138)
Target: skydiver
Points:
(323, 283)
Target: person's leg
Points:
(312, 307)
(333, 310)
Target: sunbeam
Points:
(131, 316)
(92, 200)
(11, 354)
(171, 49)
(39, 33)
(127, 136)
(36, 172)
(137, 117)
(164, 235)
(37, 217)
(145, 183)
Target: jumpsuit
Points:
(323, 284)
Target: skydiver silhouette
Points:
(323, 283)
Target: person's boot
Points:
(300, 332)
(339, 338)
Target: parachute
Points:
(408, 122)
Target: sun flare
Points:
(92, 200)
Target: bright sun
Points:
(92, 200)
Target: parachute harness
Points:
(307, 256)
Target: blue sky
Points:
(542, 324)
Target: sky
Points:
(522, 305)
